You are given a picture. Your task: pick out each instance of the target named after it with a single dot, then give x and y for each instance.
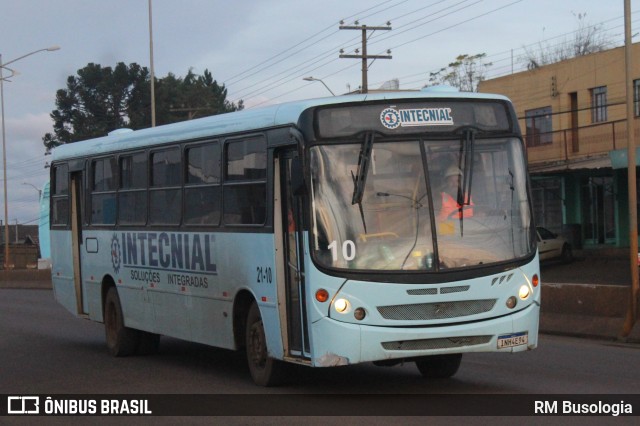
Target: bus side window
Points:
(245, 186)
(103, 195)
(202, 185)
(132, 196)
(60, 196)
(165, 190)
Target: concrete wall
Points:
(25, 278)
(586, 310)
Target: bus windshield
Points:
(424, 205)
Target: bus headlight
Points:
(341, 305)
(524, 292)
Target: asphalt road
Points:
(45, 350)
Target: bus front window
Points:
(399, 225)
(390, 229)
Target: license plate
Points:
(511, 340)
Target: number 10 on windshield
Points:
(348, 250)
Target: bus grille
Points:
(435, 311)
(443, 290)
(440, 343)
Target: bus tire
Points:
(265, 371)
(121, 341)
(439, 366)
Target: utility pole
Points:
(153, 77)
(632, 312)
(365, 58)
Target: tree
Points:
(586, 39)
(465, 73)
(94, 102)
(191, 97)
(101, 99)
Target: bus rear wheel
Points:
(439, 366)
(265, 371)
(121, 341)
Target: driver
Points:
(449, 195)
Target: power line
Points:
(508, 52)
(280, 79)
(458, 24)
(396, 34)
(228, 81)
(267, 86)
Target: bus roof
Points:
(240, 121)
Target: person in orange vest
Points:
(450, 209)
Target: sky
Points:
(260, 50)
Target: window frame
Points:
(237, 184)
(153, 189)
(57, 197)
(636, 97)
(204, 187)
(102, 192)
(599, 104)
(535, 116)
(133, 189)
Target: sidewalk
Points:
(598, 266)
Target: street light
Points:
(4, 144)
(317, 79)
(34, 187)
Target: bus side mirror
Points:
(297, 178)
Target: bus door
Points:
(292, 261)
(77, 194)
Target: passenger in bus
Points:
(449, 208)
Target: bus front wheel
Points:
(265, 371)
(121, 341)
(439, 366)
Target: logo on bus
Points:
(174, 252)
(116, 260)
(392, 119)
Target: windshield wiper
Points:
(512, 208)
(467, 146)
(360, 178)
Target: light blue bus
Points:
(315, 232)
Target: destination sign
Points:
(392, 118)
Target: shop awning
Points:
(587, 163)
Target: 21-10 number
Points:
(348, 250)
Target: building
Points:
(23, 246)
(573, 116)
